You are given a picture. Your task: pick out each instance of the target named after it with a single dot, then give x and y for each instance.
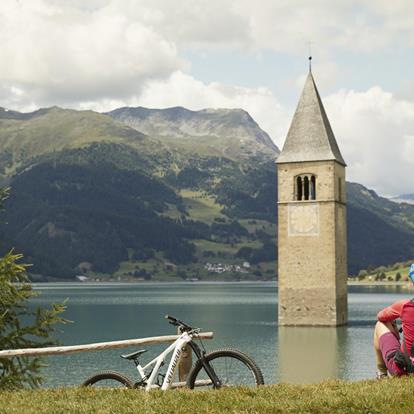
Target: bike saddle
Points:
(134, 355)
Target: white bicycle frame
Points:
(177, 347)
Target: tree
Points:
(182, 274)
(362, 274)
(245, 252)
(382, 276)
(21, 326)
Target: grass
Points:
(172, 212)
(201, 207)
(254, 224)
(402, 271)
(211, 146)
(55, 130)
(334, 396)
(390, 276)
(203, 245)
(156, 267)
(224, 253)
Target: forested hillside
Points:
(162, 194)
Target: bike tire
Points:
(102, 376)
(252, 375)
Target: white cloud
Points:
(74, 52)
(354, 25)
(62, 55)
(283, 25)
(188, 22)
(375, 132)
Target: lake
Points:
(242, 315)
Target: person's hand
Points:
(395, 328)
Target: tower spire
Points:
(310, 136)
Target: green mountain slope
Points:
(197, 198)
(401, 215)
(27, 139)
(75, 214)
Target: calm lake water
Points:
(242, 315)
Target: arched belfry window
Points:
(313, 188)
(339, 189)
(305, 187)
(299, 188)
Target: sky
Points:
(103, 54)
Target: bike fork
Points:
(208, 368)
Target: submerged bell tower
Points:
(312, 219)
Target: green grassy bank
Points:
(387, 396)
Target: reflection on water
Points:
(307, 354)
(242, 315)
(310, 354)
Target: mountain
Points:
(223, 132)
(162, 194)
(27, 139)
(379, 230)
(400, 215)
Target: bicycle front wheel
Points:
(109, 379)
(232, 368)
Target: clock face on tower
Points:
(303, 220)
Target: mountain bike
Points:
(217, 369)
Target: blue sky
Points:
(102, 54)
(392, 70)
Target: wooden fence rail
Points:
(71, 349)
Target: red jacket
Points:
(403, 309)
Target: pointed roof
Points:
(310, 136)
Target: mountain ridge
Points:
(177, 122)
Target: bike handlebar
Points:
(177, 322)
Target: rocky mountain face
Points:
(223, 129)
(146, 193)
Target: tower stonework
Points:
(312, 257)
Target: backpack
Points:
(405, 360)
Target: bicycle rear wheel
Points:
(232, 368)
(108, 379)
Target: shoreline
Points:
(405, 284)
(379, 283)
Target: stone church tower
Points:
(312, 219)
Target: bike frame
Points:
(176, 348)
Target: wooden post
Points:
(186, 362)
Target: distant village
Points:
(220, 268)
(216, 268)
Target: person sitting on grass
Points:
(395, 358)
